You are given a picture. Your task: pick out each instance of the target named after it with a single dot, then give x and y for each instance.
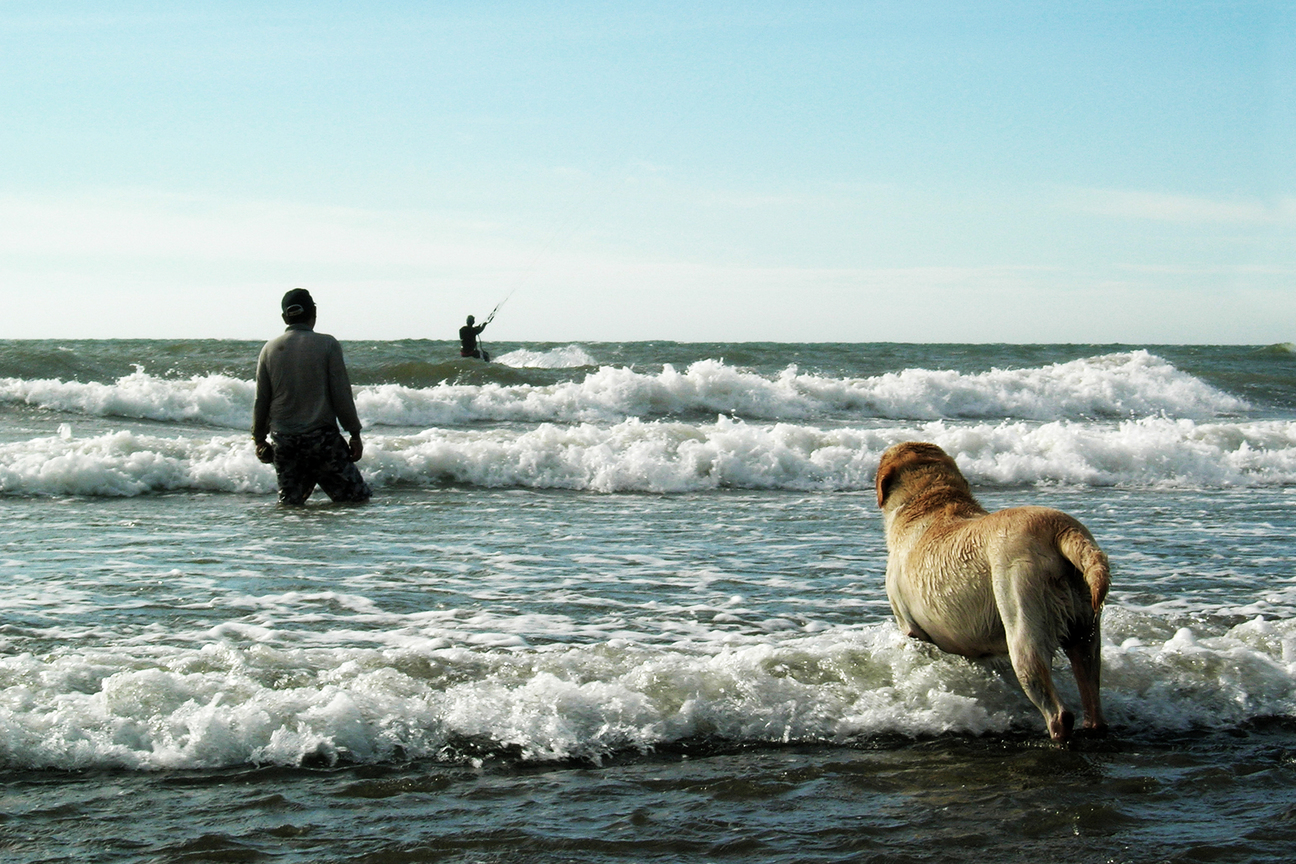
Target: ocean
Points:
(625, 602)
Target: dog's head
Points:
(927, 465)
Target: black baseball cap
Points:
(297, 302)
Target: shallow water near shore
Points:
(1158, 798)
(588, 618)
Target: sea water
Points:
(625, 603)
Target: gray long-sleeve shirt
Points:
(302, 385)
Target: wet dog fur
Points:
(1021, 582)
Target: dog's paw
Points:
(1060, 727)
(1094, 730)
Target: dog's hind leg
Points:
(1034, 673)
(1086, 659)
(1030, 647)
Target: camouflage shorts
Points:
(322, 457)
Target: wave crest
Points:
(663, 457)
(566, 357)
(1112, 386)
(225, 704)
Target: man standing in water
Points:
(468, 340)
(302, 393)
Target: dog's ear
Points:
(894, 460)
(886, 473)
(907, 455)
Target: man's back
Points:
(302, 384)
(468, 336)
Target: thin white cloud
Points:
(126, 225)
(1217, 270)
(1182, 209)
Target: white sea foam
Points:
(1133, 384)
(230, 704)
(661, 456)
(566, 357)
(128, 463)
(217, 400)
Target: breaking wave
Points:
(234, 702)
(1112, 386)
(664, 456)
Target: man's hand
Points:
(356, 447)
(264, 451)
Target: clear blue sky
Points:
(793, 171)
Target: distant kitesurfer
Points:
(302, 393)
(468, 340)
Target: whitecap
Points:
(1114, 386)
(663, 456)
(230, 704)
(565, 357)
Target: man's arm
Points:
(343, 401)
(261, 412)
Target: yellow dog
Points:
(1022, 581)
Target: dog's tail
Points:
(1081, 550)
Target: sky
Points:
(1098, 172)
